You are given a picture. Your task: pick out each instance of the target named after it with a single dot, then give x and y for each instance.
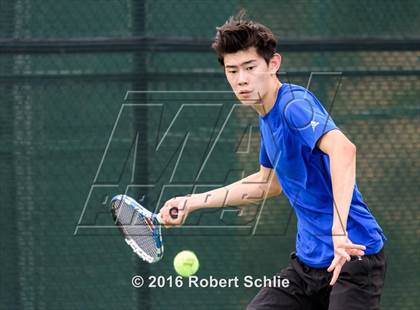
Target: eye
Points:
(232, 71)
(250, 68)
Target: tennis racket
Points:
(140, 227)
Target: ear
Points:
(275, 63)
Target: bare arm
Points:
(342, 154)
(253, 188)
(256, 187)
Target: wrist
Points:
(191, 203)
(338, 230)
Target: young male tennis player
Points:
(339, 261)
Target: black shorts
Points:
(359, 286)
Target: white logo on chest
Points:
(314, 124)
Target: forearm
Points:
(246, 191)
(343, 175)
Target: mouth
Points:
(245, 93)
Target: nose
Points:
(242, 78)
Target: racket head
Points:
(140, 227)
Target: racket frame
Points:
(152, 220)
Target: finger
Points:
(337, 270)
(354, 246)
(333, 264)
(343, 254)
(355, 252)
(166, 221)
(336, 261)
(179, 220)
(336, 273)
(334, 278)
(162, 217)
(171, 224)
(168, 202)
(167, 224)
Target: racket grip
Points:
(173, 212)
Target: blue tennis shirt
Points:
(289, 134)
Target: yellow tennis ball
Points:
(186, 263)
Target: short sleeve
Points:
(264, 160)
(308, 120)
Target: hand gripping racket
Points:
(140, 227)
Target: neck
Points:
(268, 101)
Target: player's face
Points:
(248, 74)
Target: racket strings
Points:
(136, 227)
